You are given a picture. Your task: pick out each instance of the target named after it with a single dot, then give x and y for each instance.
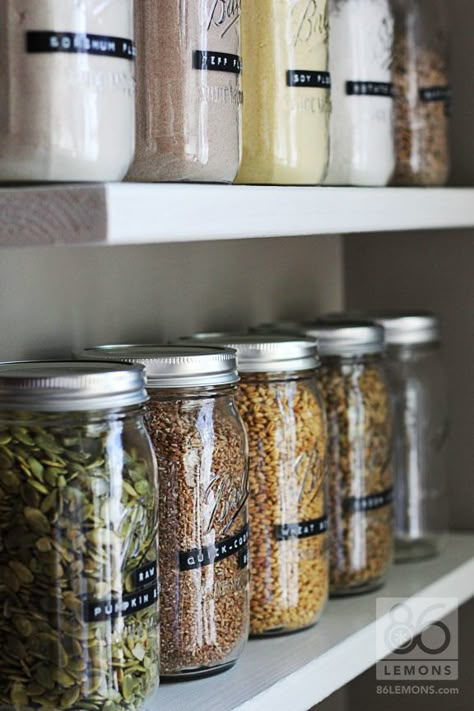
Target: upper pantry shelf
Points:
(128, 213)
(294, 672)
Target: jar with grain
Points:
(68, 69)
(419, 391)
(360, 54)
(188, 90)
(280, 404)
(286, 87)
(78, 538)
(201, 448)
(422, 92)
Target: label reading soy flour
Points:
(145, 594)
(303, 529)
(369, 88)
(308, 78)
(41, 42)
(208, 555)
(208, 61)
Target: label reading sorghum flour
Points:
(40, 42)
(307, 78)
(208, 555)
(369, 503)
(216, 61)
(303, 529)
(369, 88)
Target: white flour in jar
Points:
(360, 60)
(67, 90)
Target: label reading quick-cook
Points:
(79, 43)
(208, 555)
(369, 88)
(308, 78)
(303, 529)
(145, 595)
(208, 61)
(369, 503)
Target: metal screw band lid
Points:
(178, 366)
(70, 386)
(409, 328)
(264, 353)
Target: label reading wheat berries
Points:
(208, 61)
(41, 42)
(368, 503)
(369, 88)
(303, 529)
(307, 78)
(208, 555)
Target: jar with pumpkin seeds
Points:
(78, 539)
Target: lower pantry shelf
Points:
(297, 671)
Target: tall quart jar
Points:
(286, 87)
(78, 538)
(201, 448)
(360, 62)
(422, 92)
(67, 84)
(281, 407)
(188, 91)
(419, 390)
(359, 419)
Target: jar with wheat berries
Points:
(279, 401)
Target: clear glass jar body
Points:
(188, 91)
(78, 561)
(67, 68)
(286, 427)
(422, 93)
(287, 92)
(419, 392)
(360, 476)
(201, 449)
(360, 62)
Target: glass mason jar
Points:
(188, 91)
(357, 400)
(419, 392)
(360, 54)
(422, 93)
(78, 538)
(201, 448)
(280, 404)
(67, 68)
(286, 87)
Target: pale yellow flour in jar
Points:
(286, 92)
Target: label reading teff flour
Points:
(40, 42)
(308, 78)
(369, 88)
(208, 61)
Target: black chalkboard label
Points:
(435, 93)
(128, 604)
(42, 42)
(307, 78)
(369, 503)
(369, 88)
(208, 555)
(303, 529)
(216, 61)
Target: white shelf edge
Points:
(135, 214)
(298, 671)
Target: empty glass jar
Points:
(419, 391)
(78, 528)
(201, 449)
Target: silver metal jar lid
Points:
(265, 353)
(346, 338)
(70, 386)
(178, 366)
(408, 328)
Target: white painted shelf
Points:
(126, 213)
(295, 672)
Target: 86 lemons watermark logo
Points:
(417, 640)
